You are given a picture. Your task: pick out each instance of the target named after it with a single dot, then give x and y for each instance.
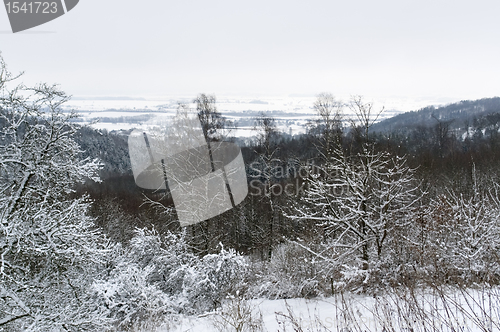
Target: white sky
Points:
(432, 50)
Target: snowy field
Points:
(437, 310)
(291, 113)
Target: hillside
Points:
(466, 113)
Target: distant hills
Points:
(458, 116)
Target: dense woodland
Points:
(348, 206)
(443, 160)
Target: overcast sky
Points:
(410, 49)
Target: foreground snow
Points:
(272, 313)
(433, 311)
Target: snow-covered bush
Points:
(214, 277)
(169, 255)
(50, 249)
(157, 277)
(291, 272)
(131, 300)
(461, 237)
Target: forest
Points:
(392, 210)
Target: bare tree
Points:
(358, 198)
(215, 126)
(461, 232)
(267, 161)
(441, 135)
(330, 112)
(365, 116)
(267, 133)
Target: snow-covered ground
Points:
(273, 315)
(467, 310)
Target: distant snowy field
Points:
(291, 113)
